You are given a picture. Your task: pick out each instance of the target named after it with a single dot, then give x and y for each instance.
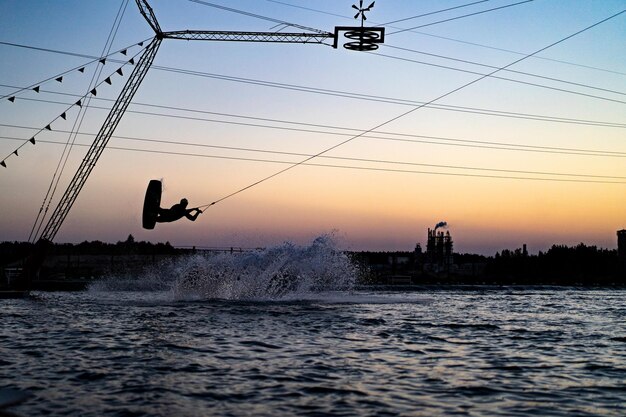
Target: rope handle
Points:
(206, 205)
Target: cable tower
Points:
(361, 39)
(367, 40)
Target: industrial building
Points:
(621, 249)
(439, 249)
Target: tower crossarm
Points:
(278, 37)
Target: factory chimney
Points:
(621, 250)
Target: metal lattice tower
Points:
(101, 140)
(366, 39)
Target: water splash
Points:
(283, 272)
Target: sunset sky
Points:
(536, 156)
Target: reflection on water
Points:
(478, 353)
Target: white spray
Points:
(286, 271)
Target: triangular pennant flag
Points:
(36, 89)
(123, 51)
(93, 91)
(48, 127)
(15, 152)
(63, 116)
(60, 79)
(12, 99)
(79, 103)
(132, 61)
(140, 44)
(32, 140)
(103, 61)
(3, 164)
(108, 80)
(81, 69)
(119, 71)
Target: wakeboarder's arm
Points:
(193, 217)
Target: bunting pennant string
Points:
(59, 77)
(63, 115)
(103, 61)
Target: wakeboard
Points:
(151, 204)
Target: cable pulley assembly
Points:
(361, 38)
(364, 39)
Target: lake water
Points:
(216, 336)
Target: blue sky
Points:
(371, 205)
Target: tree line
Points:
(14, 251)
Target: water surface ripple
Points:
(465, 353)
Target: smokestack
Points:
(440, 224)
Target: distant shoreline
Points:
(73, 267)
